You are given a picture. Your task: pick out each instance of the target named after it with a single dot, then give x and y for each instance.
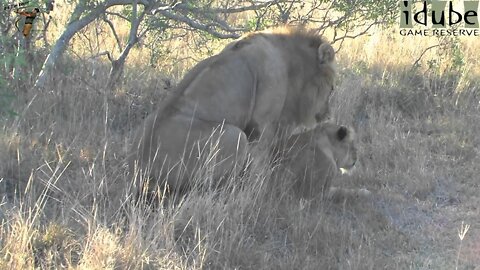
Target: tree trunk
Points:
(116, 71)
(62, 43)
(76, 24)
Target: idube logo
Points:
(439, 18)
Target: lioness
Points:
(263, 83)
(312, 159)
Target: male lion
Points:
(264, 83)
(312, 159)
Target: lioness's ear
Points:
(326, 53)
(342, 132)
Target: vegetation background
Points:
(68, 114)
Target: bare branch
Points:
(327, 13)
(46, 24)
(112, 27)
(361, 33)
(255, 6)
(260, 16)
(117, 14)
(107, 53)
(216, 21)
(196, 25)
(415, 64)
(111, 3)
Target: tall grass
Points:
(67, 199)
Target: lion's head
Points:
(314, 104)
(307, 98)
(295, 75)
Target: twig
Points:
(415, 64)
(112, 27)
(107, 53)
(195, 25)
(231, 9)
(118, 15)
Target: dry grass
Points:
(66, 201)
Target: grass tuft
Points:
(66, 199)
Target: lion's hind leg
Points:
(212, 152)
(226, 153)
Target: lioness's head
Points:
(341, 142)
(317, 156)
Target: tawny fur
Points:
(263, 83)
(311, 160)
